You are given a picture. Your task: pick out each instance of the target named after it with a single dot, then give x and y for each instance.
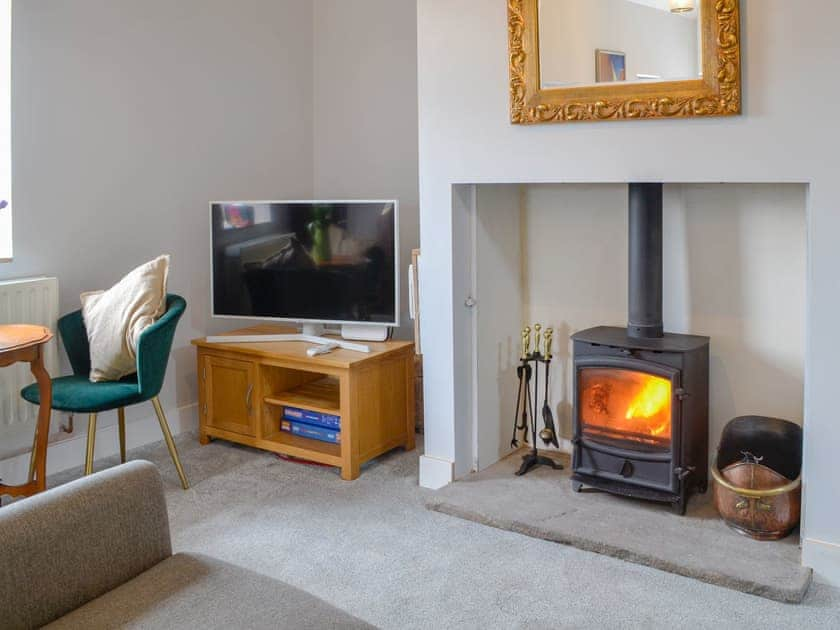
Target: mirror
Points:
(581, 60)
(583, 42)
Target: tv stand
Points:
(243, 390)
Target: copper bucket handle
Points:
(755, 494)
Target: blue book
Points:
(315, 418)
(310, 431)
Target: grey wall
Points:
(365, 140)
(128, 117)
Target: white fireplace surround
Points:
(786, 135)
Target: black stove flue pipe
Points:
(645, 281)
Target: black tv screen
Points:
(306, 261)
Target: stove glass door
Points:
(625, 407)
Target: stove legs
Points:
(677, 502)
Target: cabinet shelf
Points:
(305, 448)
(322, 396)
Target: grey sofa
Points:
(96, 553)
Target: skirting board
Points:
(824, 558)
(70, 453)
(436, 473)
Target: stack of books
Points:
(311, 424)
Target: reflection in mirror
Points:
(583, 42)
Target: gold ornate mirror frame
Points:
(718, 93)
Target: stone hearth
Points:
(698, 545)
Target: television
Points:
(309, 262)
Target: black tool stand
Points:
(533, 458)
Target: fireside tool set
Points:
(528, 406)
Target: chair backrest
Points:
(71, 329)
(154, 345)
(152, 348)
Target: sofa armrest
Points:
(69, 545)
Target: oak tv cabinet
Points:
(243, 388)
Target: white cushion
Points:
(115, 318)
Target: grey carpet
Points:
(371, 548)
(699, 545)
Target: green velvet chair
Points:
(77, 394)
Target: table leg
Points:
(42, 431)
(31, 477)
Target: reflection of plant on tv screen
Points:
(322, 217)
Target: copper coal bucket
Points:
(757, 476)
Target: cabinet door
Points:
(230, 395)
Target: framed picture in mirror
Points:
(609, 66)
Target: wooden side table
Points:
(20, 342)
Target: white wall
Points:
(654, 41)
(128, 117)
(785, 135)
(735, 270)
(499, 291)
(365, 133)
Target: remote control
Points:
(314, 351)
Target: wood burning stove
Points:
(641, 407)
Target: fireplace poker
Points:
(514, 443)
(548, 435)
(536, 400)
(523, 374)
(526, 407)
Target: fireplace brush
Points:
(527, 406)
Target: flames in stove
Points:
(621, 404)
(646, 408)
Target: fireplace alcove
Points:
(735, 271)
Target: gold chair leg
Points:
(32, 456)
(91, 443)
(121, 423)
(170, 443)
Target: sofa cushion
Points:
(195, 591)
(65, 547)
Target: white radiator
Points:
(26, 301)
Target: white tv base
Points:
(321, 341)
(312, 333)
